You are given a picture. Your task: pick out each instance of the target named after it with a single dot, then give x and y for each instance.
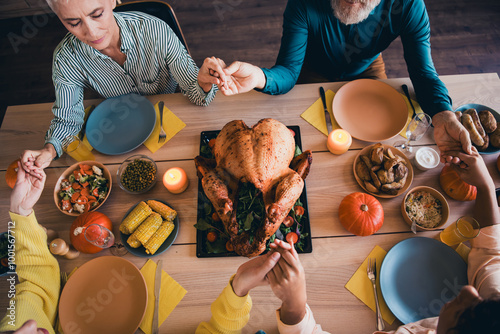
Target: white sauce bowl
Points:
(426, 158)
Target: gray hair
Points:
(52, 3)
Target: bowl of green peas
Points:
(137, 174)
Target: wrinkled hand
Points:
(211, 72)
(253, 273)
(26, 192)
(33, 162)
(288, 282)
(450, 136)
(29, 327)
(474, 170)
(241, 78)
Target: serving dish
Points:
(445, 209)
(480, 107)
(69, 171)
(120, 124)
(370, 110)
(141, 251)
(418, 276)
(110, 284)
(397, 152)
(204, 248)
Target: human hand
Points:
(29, 327)
(253, 273)
(27, 191)
(241, 78)
(288, 282)
(34, 161)
(473, 170)
(211, 72)
(450, 136)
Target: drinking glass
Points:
(465, 228)
(100, 236)
(415, 130)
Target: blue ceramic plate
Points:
(480, 107)
(141, 251)
(120, 124)
(418, 276)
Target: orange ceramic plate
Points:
(397, 152)
(105, 295)
(370, 110)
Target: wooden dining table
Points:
(336, 253)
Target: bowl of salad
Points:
(83, 187)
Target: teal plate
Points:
(120, 124)
(418, 276)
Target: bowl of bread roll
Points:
(483, 126)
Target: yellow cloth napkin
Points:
(171, 124)
(88, 110)
(315, 114)
(171, 293)
(360, 286)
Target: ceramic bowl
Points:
(426, 158)
(445, 212)
(125, 164)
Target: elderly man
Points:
(114, 54)
(337, 40)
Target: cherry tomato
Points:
(293, 132)
(288, 222)
(211, 236)
(215, 217)
(299, 211)
(292, 237)
(211, 143)
(229, 246)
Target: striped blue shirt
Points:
(156, 61)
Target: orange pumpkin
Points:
(77, 231)
(11, 174)
(361, 214)
(455, 187)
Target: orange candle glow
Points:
(339, 141)
(175, 180)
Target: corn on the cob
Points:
(148, 227)
(135, 218)
(133, 242)
(164, 210)
(159, 237)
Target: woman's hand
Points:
(26, 192)
(211, 73)
(253, 273)
(33, 162)
(29, 327)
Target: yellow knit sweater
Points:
(37, 293)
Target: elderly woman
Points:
(114, 54)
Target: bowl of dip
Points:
(427, 207)
(426, 158)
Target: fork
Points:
(371, 270)
(163, 136)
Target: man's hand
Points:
(253, 273)
(211, 72)
(34, 161)
(450, 136)
(29, 327)
(26, 192)
(241, 78)
(288, 282)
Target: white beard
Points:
(348, 15)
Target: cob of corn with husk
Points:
(148, 228)
(135, 218)
(133, 242)
(159, 237)
(164, 210)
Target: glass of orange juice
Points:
(465, 228)
(77, 149)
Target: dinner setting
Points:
(229, 198)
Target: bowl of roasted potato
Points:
(383, 171)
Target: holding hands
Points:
(451, 136)
(27, 191)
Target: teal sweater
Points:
(312, 34)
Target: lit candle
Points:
(339, 141)
(175, 180)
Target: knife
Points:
(327, 114)
(407, 93)
(157, 297)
